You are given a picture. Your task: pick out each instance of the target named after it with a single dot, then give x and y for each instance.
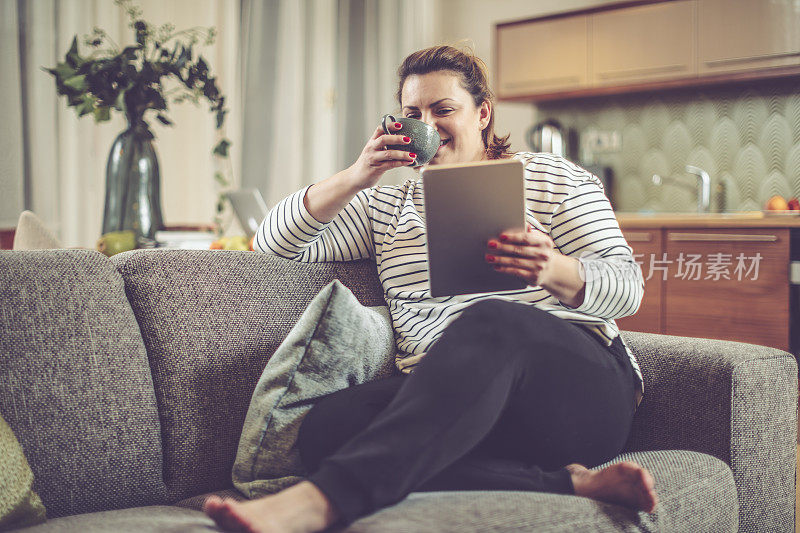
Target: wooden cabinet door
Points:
(728, 284)
(542, 56)
(738, 35)
(647, 250)
(644, 43)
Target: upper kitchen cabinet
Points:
(638, 45)
(544, 56)
(741, 35)
(643, 43)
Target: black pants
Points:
(507, 397)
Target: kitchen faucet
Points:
(702, 187)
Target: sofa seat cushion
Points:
(153, 519)
(196, 502)
(696, 493)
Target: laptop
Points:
(250, 209)
(466, 205)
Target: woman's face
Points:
(438, 99)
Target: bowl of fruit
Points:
(236, 242)
(779, 206)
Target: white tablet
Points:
(465, 206)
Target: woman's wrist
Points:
(347, 181)
(325, 199)
(566, 280)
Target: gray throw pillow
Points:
(335, 344)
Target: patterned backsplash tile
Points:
(747, 137)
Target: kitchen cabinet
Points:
(646, 45)
(740, 35)
(647, 248)
(643, 43)
(728, 284)
(544, 56)
(716, 279)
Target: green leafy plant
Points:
(140, 79)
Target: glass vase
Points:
(133, 184)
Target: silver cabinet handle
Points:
(763, 57)
(638, 236)
(726, 237)
(542, 82)
(615, 74)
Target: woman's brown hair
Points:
(473, 74)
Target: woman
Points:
(505, 391)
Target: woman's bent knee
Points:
(338, 417)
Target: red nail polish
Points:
(492, 244)
(490, 258)
(398, 125)
(406, 139)
(412, 154)
(503, 238)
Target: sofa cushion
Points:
(196, 502)
(337, 343)
(75, 384)
(33, 234)
(696, 493)
(210, 321)
(19, 505)
(153, 519)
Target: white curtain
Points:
(317, 77)
(12, 159)
(61, 174)
(306, 83)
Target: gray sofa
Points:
(127, 382)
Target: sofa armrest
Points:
(732, 400)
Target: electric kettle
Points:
(549, 136)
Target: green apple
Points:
(238, 242)
(116, 241)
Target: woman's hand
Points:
(525, 254)
(531, 255)
(375, 159)
(325, 199)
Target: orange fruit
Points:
(777, 203)
(216, 245)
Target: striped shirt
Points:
(387, 224)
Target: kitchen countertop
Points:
(740, 219)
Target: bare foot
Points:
(624, 483)
(302, 508)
